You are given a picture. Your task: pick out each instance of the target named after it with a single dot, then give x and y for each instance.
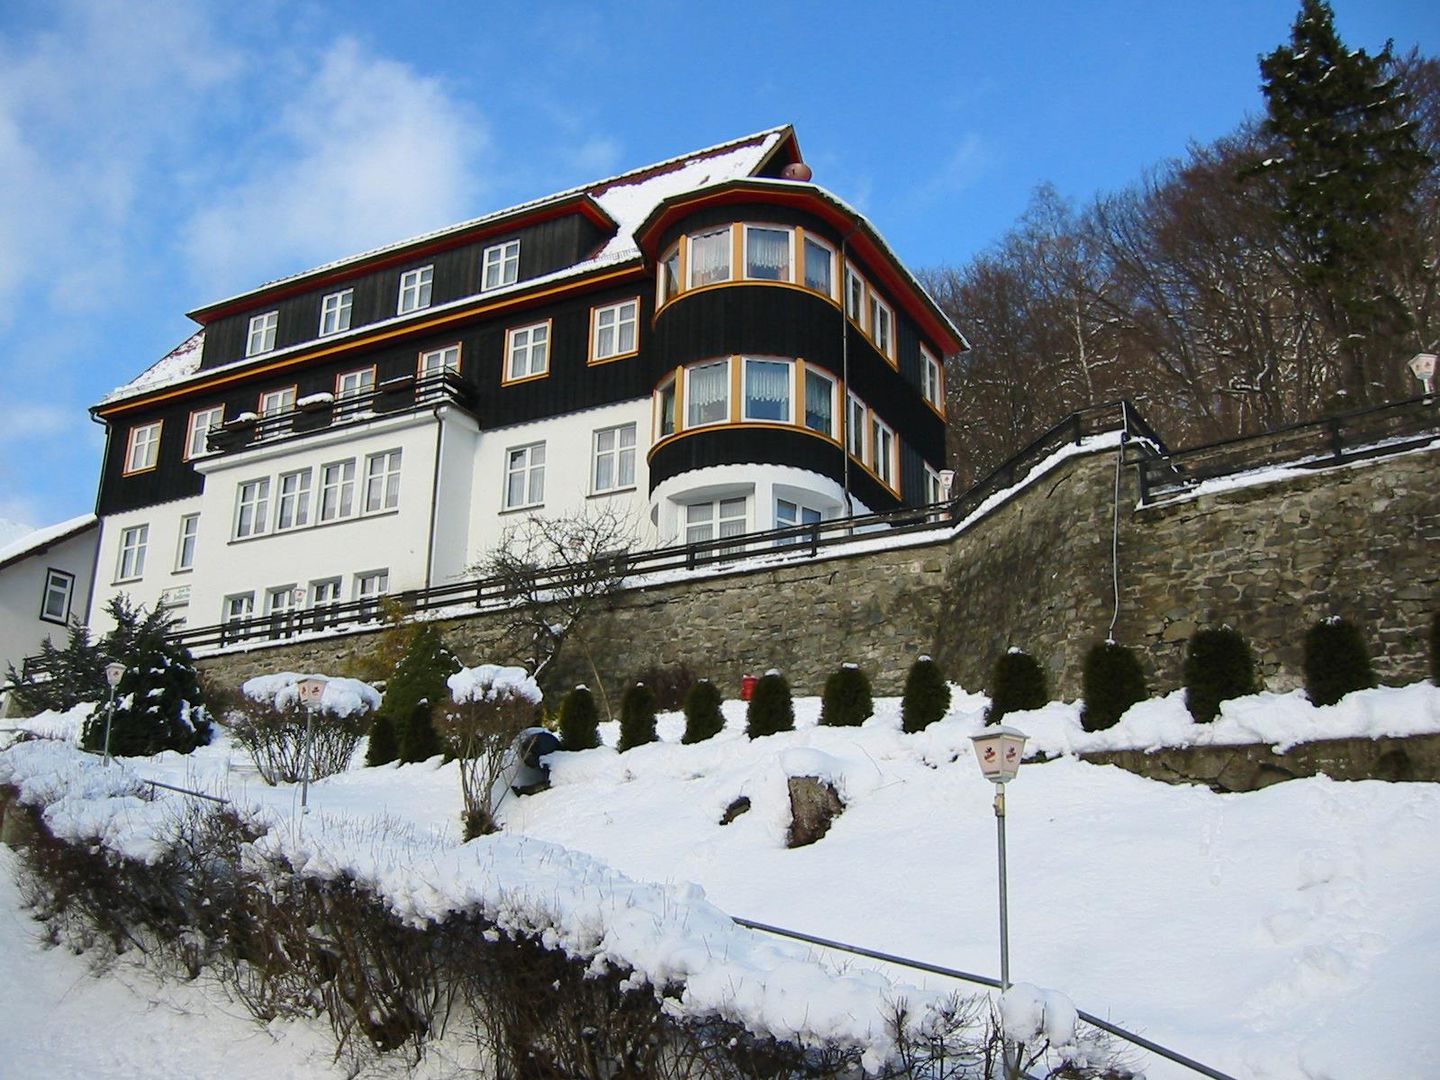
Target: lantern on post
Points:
(998, 752)
(114, 672)
(311, 690)
(1422, 366)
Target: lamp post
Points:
(114, 672)
(311, 689)
(1422, 366)
(998, 752)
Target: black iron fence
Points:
(1334, 440)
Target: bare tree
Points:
(560, 573)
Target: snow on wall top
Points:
(628, 198)
(39, 538)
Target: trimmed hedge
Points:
(1218, 666)
(846, 701)
(1113, 681)
(703, 718)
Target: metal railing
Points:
(774, 546)
(1334, 440)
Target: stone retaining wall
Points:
(1359, 541)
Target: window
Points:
(439, 361)
(500, 265)
(415, 289)
(525, 476)
(185, 548)
(789, 514)
(198, 431)
(238, 607)
(324, 598)
(335, 312)
(707, 393)
(252, 507)
(614, 458)
(382, 481)
(856, 428)
(767, 390)
(767, 253)
(884, 449)
(665, 409)
(131, 564)
(819, 266)
(337, 490)
(710, 257)
(351, 386)
(293, 501)
(881, 321)
(613, 330)
(669, 275)
(143, 450)
(932, 379)
(854, 295)
(55, 604)
(261, 336)
(819, 402)
(275, 409)
(713, 520)
(279, 603)
(527, 349)
(369, 587)
(934, 486)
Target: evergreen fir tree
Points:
(637, 717)
(416, 687)
(703, 718)
(846, 700)
(159, 704)
(1218, 667)
(1336, 661)
(926, 698)
(63, 678)
(579, 720)
(1113, 681)
(772, 709)
(1348, 165)
(1019, 683)
(382, 747)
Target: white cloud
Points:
(27, 421)
(363, 153)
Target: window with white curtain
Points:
(819, 402)
(707, 394)
(767, 390)
(525, 476)
(613, 330)
(614, 466)
(819, 266)
(767, 253)
(716, 519)
(710, 257)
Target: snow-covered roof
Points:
(39, 539)
(627, 198)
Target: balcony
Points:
(327, 412)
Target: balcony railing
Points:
(324, 412)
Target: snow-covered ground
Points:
(1288, 933)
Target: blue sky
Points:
(155, 156)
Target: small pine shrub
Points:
(579, 721)
(1218, 667)
(415, 689)
(926, 698)
(703, 718)
(846, 701)
(637, 717)
(382, 748)
(1019, 683)
(1336, 661)
(1113, 681)
(771, 708)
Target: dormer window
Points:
(261, 337)
(335, 312)
(415, 289)
(500, 265)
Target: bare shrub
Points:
(493, 705)
(289, 741)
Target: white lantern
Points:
(1422, 366)
(114, 673)
(998, 752)
(311, 690)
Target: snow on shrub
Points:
(271, 723)
(493, 704)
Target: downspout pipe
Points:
(845, 372)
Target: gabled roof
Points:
(41, 540)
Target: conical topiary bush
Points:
(846, 701)
(637, 717)
(926, 697)
(703, 718)
(1218, 667)
(579, 720)
(771, 708)
(1113, 681)
(1336, 661)
(1019, 683)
